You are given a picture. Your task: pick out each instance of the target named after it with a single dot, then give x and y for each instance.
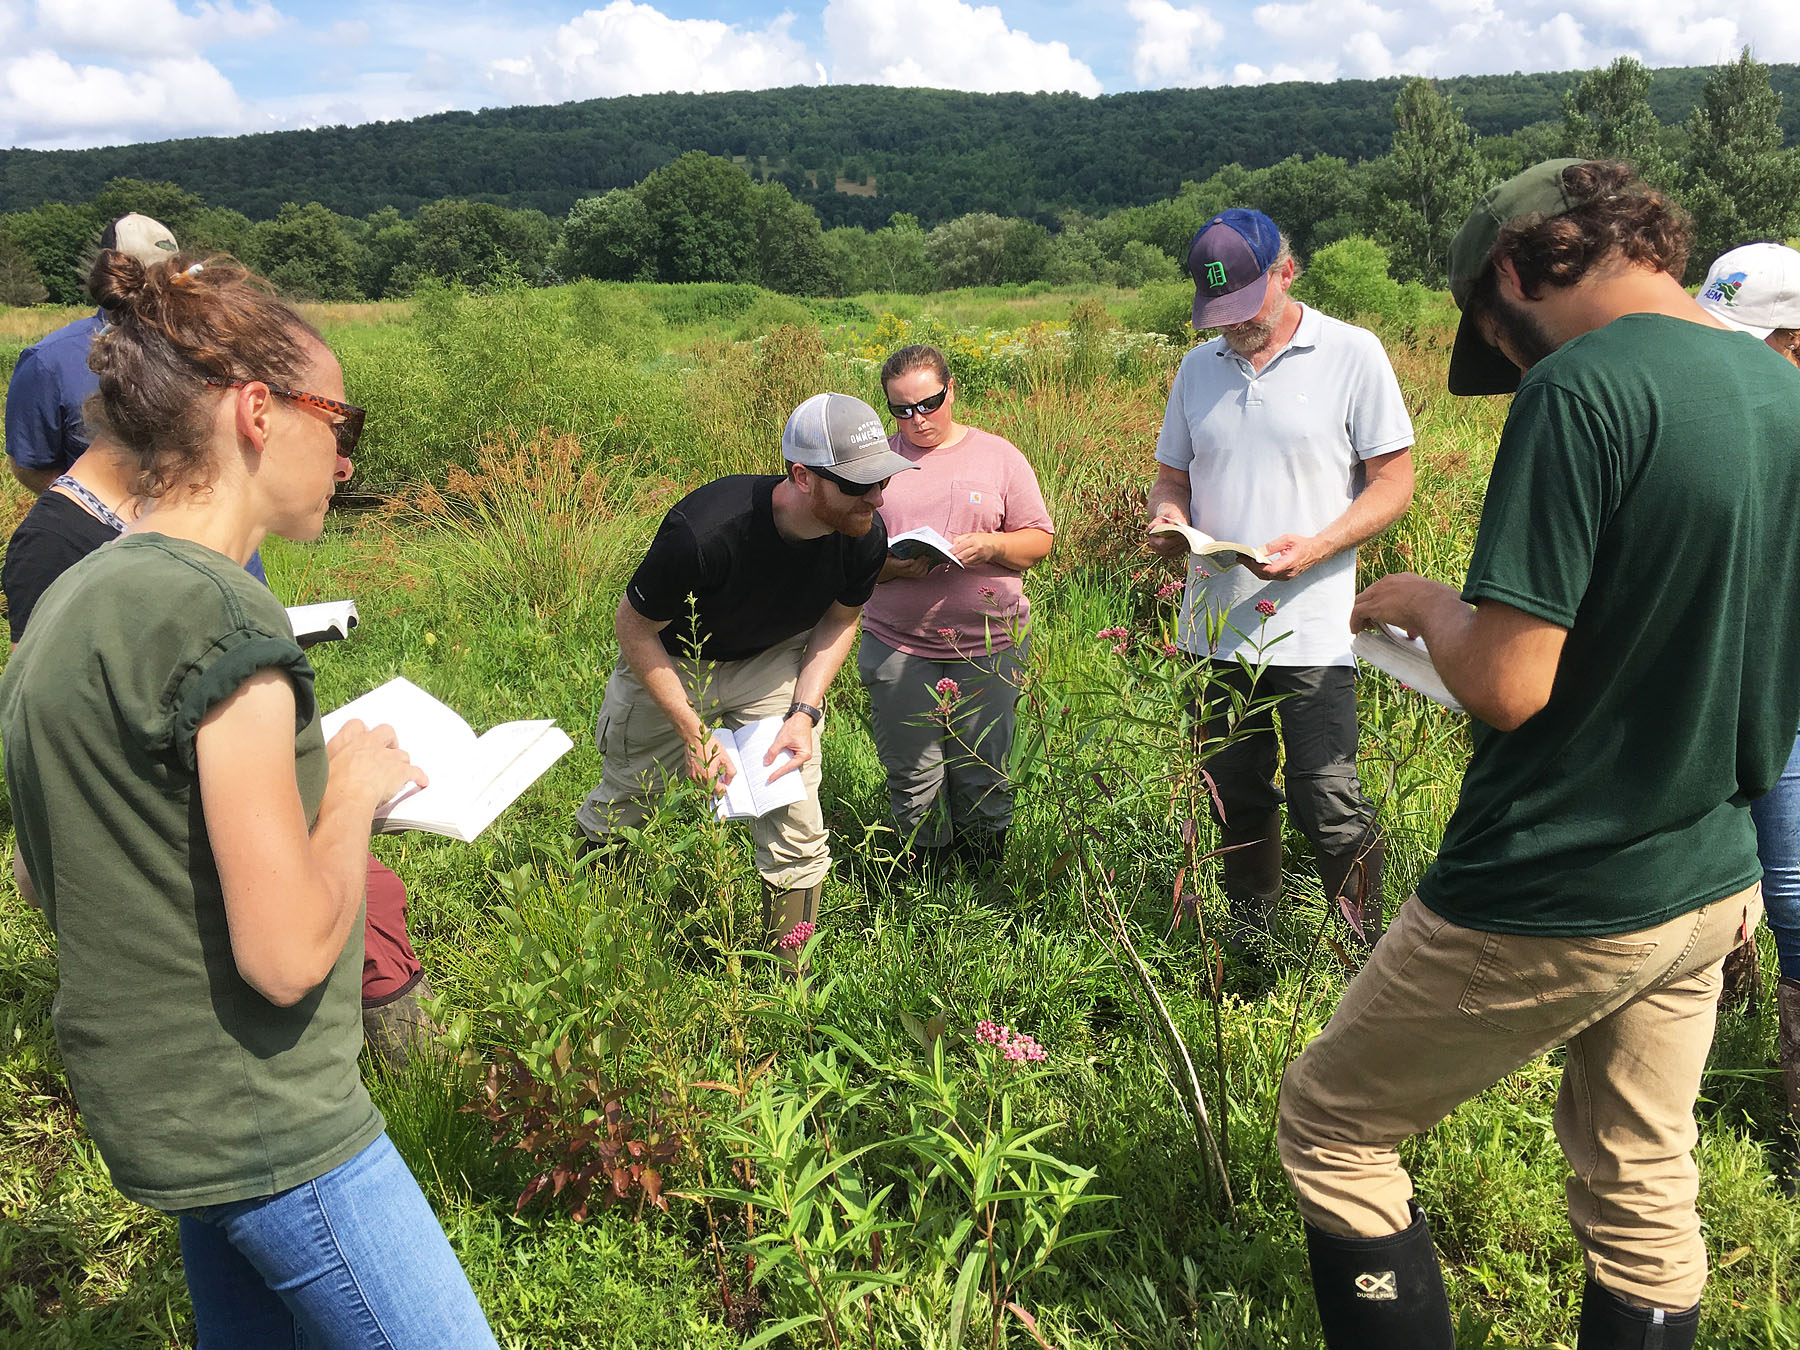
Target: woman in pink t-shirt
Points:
(942, 642)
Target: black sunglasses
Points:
(347, 431)
(845, 486)
(907, 411)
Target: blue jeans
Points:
(353, 1260)
(1777, 817)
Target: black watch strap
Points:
(817, 714)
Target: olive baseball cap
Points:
(844, 437)
(1476, 365)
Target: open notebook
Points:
(473, 778)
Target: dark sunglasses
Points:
(347, 431)
(907, 411)
(845, 486)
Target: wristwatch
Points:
(817, 714)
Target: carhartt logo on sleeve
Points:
(1215, 274)
(1378, 1285)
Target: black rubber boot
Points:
(1250, 876)
(1383, 1293)
(1787, 1006)
(783, 912)
(1608, 1322)
(979, 852)
(1355, 877)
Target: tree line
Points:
(705, 217)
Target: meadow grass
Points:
(531, 445)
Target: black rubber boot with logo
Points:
(1380, 1293)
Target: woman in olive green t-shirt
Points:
(199, 849)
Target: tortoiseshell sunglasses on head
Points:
(348, 431)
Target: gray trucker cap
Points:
(844, 437)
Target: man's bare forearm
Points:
(640, 643)
(1381, 502)
(824, 655)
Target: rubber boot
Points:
(1353, 886)
(783, 912)
(979, 851)
(1250, 876)
(1740, 984)
(1787, 1005)
(1381, 1293)
(400, 1028)
(1608, 1322)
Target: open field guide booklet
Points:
(1406, 659)
(1221, 552)
(328, 621)
(923, 542)
(473, 779)
(750, 793)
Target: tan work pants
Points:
(1441, 1013)
(640, 751)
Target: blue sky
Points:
(101, 72)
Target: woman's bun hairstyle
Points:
(170, 327)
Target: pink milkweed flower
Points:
(1014, 1047)
(947, 689)
(948, 634)
(1266, 608)
(1170, 649)
(988, 593)
(1171, 590)
(795, 937)
(1203, 574)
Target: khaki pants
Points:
(640, 751)
(1441, 1013)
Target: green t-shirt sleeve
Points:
(233, 658)
(1553, 488)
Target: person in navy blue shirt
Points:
(44, 431)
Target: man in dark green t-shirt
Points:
(1628, 644)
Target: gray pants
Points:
(959, 759)
(640, 751)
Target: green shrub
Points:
(1349, 279)
(1166, 308)
(770, 312)
(703, 302)
(616, 317)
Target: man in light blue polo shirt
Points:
(1287, 432)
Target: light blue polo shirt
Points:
(1279, 451)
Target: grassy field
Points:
(842, 1160)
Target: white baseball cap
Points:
(1754, 289)
(844, 437)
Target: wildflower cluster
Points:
(1119, 637)
(1014, 1048)
(1266, 608)
(795, 938)
(1171, 589)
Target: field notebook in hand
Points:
(923, 542)
(328, 621)
(1406, 659)
(1221, 552)
(473, 779)
(750, 794)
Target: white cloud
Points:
(46, 100)
(1367, 39)
(945, 44)
(1170, 41)
(629, 48)
(136, 28)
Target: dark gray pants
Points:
(1318, 733)
(959, 761)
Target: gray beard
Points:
(1252, 336)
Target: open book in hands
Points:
(1221, 553)
(750, 794)
(473, 779)
(1406, 659)
(327, 621)
(923, 542)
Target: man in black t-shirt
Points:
(1626, 708)
(743, 609)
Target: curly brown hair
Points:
(1613, 212)
(169, 328)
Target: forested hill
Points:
(934, 153)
